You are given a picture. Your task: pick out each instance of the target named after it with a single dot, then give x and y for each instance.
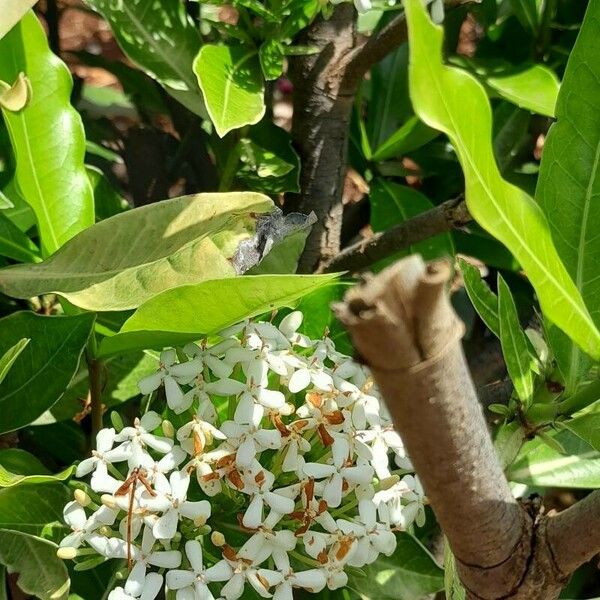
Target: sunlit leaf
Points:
(453, 101)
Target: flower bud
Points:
(388, 482)
(122, 574)
(66, 553)
(82, 498)
(200, 521)
(117, 421)
(168, 429)
(105, 530)
(217, 538)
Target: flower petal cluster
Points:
(272, 465)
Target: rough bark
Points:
(404, 328)
(324, 92)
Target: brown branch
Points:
(452, 214)
(403, 326)
(574, 534)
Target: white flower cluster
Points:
(280, 473)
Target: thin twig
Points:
(452, 214)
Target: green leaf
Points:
(412, 135)
(12, 12)
(15, 244)
(271, 59)
(47, 137)
(569, 182)
(530, 86)
(161, 39)
(586, 425)
(189, 312)
(8, 479)
(5, 202)
(508, 440)
(409, 574)
(392, 203)
(8, 358)
(21, 213)
(452, 586)
(106, 200)
(515, 349)
(232, 83)
(121, 262)
(268, 164)
(453, 101)
(45, 367)
(484, 301)
(540, 465)
(527, 11)
(29, 508)
(41, 573)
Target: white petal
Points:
(86, 466)
(291, 323)
(284, 591)
(193, 550)
(220, 368)
(135, 582)
(253, 516)
(225, 387)
(152, 586)
(361, 474)
(279, 504)
(319, 470)
(322, 380)
(73, 540)
(246, 452)
(368, 513)
(169, 559)
(313, 580)
(299, 381)
(180, 481)
(173, 393)
(105, 439)
(332, 494)
(253, 547)
(268, 438)
(271, 398)
(234, 588)
(74, 515)
(188, 369)
(244, 411)
(337, 580)
(150, 421)
(384, 541)
(166, 526)
(257, 584)
(148, 384)
(195, 510)
(221, 571)
(168, 357)
(160, 444)
(177, 579)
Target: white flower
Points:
(103, 453)
(314, 372)
(171, 374)
(140, 434)
(382, 440)
(261, 494)
(193, 583)
(373, 537)
(83, 526)
(312, 580)
(196, 435)
(338, 475)
(151, 588)
(171, 501)
(248, 440)
(144, 556)
(289, 328)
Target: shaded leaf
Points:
(122, 261)
(484, 301)
(15, 244)
(569, 182)
(29, 508)
(412, 135)
(41, 572)
(45, 367)
(189, 312)
(9, 357)
(161, 39)
(453, 101)
(232, 83)
(515, 348)
(47, 137)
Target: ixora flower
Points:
(282, 472)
